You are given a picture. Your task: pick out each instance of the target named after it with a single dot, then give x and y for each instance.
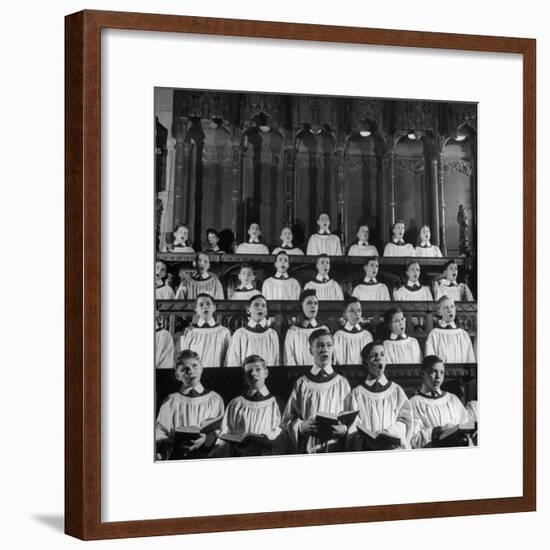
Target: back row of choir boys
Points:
(322, 242)
(281, 286)
(217, 347)
(322, 413)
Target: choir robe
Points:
(164, 292)
(431, 412)
(244, 414)
(252, 248)
(210, 342)
(362, 250)
(324, 244)
(311, 395)
(459, 292)
(296, 348)
(252, 341)
(371, 293)
(382, 406)
(330, 290)
(275, 288)
(164, 349)
(348, 345)
(451, 345)
(239, 293)
(393, 249)
(191, 288)
(471, 408)
(293, 251)
(412, 294)
(184, 410)
(431, 251)
(401, 351)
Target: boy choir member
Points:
(190, 406)
(325, 287)
(370, 289)
(255, 412)
(164, 346)
(213, 239)
(446, 340)
(449, 286)
(205, 337)
(180, 240)
(397, 246)
(255, 338)
(382, 404)
(352, 338)
(320, 390)
(253, 246)
(362, 247)
(245, 288)
(201, 282)
(287, 243)
(296, 348)
(281, 286)
(162, 290)
(433, 408)
(324, 242)
(413, 291)
(425, 249)
(399, 347)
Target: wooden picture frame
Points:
(83, 274)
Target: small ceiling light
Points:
(461, 133)
(364, 133)
(411, 134)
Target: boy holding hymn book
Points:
(253, 246)
(246, 287)
(251, 425)
(255, 338)
(370, 289)
(317, 413)
(446, 339)
(325, 287)
(440, 417)
(385, 418)
(281, 286)
(205, 337)
(352, 338)
(188, 420)
(296, 349)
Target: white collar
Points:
(394, 336)
(315, 370)
(254, 324)
(424, 389)
(371, 381)
(348, 326)
(283, 276)
(246, 287)
(182, 244)
(202, 322)
(263, 392)
(398, 241)
(312, 322)
(324, 232)
(369, 279)
(446, 282)
(198, 388)
(426, 245)
(443, 324)
(253, 241)
(203, 275)
(321, 278)
(410, 283)
(362, 243)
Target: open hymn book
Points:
(345, 417)
(246, 439)
(188, 434)
(455, 436)
(380, 441)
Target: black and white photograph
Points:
(315, 274)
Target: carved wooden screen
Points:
(457, 169)
(362, 179)
(263, 198)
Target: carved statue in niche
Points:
(463, 224)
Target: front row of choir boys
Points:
(321, 242)
(380, 408)
(281, 286)
(217, 347)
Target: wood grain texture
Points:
(83, 274)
